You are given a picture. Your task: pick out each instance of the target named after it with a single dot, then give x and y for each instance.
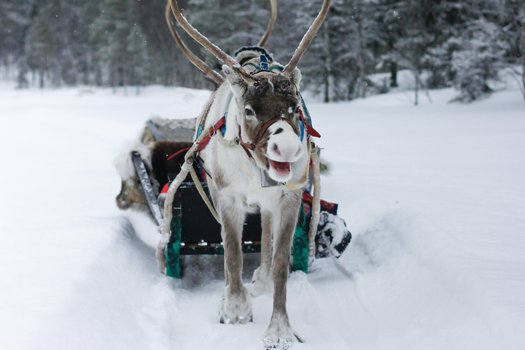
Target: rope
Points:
(165, 228)
(203, 195)
(316, 204)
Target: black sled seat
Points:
(200, 232)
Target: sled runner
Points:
(150, 165)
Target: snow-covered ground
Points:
(434, 195)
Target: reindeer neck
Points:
(232, 127)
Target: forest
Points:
(465, 44)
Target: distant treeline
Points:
(465, 44)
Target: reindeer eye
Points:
(296, 109)
(249, 112)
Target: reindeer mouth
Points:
(281, 168)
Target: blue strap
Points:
(223, 129)
(199, 131)
(308, 119)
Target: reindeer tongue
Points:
(280, 167)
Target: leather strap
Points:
(212, 131)
(251, 146)
(309, 129)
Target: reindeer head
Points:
(269, 119)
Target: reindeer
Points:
(265, 141)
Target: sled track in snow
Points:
(192, 316)
(376, 295)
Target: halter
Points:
(266, 66)
(260, 134)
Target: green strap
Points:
(173, 248)
(300, 243)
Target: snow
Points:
(433, 195)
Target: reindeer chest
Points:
(236, 175)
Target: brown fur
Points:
(271, 97)
(130, 195)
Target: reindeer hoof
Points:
(262, 283)
(236, 308)
(245, 320)
(280, 335)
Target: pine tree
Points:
(478, 59)
(514, 31)
(15, 19)
(41, 45)
(138, 57)
(111, 33)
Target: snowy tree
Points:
(478, 59)
(410, 31)
(461, 43)
(514, 32)
(111, 33)
(41, 45)
(332, 64)
(72, 31)
(138, 57)
(15, 19)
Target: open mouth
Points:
(281, 168)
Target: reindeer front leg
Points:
(262, 279)
(236, 305)
(280, 331)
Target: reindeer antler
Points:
(216, 77)
(308, 37)
(264, 39)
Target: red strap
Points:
(177, 153)
(212, 131)
(310, 130)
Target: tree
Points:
(116, 25)
(514, 30)
(41, 45)
(478, 59)
(138, 57)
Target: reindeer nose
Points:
(286, 152)
(276, 149)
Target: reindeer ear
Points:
(295, 76)
(237, 82)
